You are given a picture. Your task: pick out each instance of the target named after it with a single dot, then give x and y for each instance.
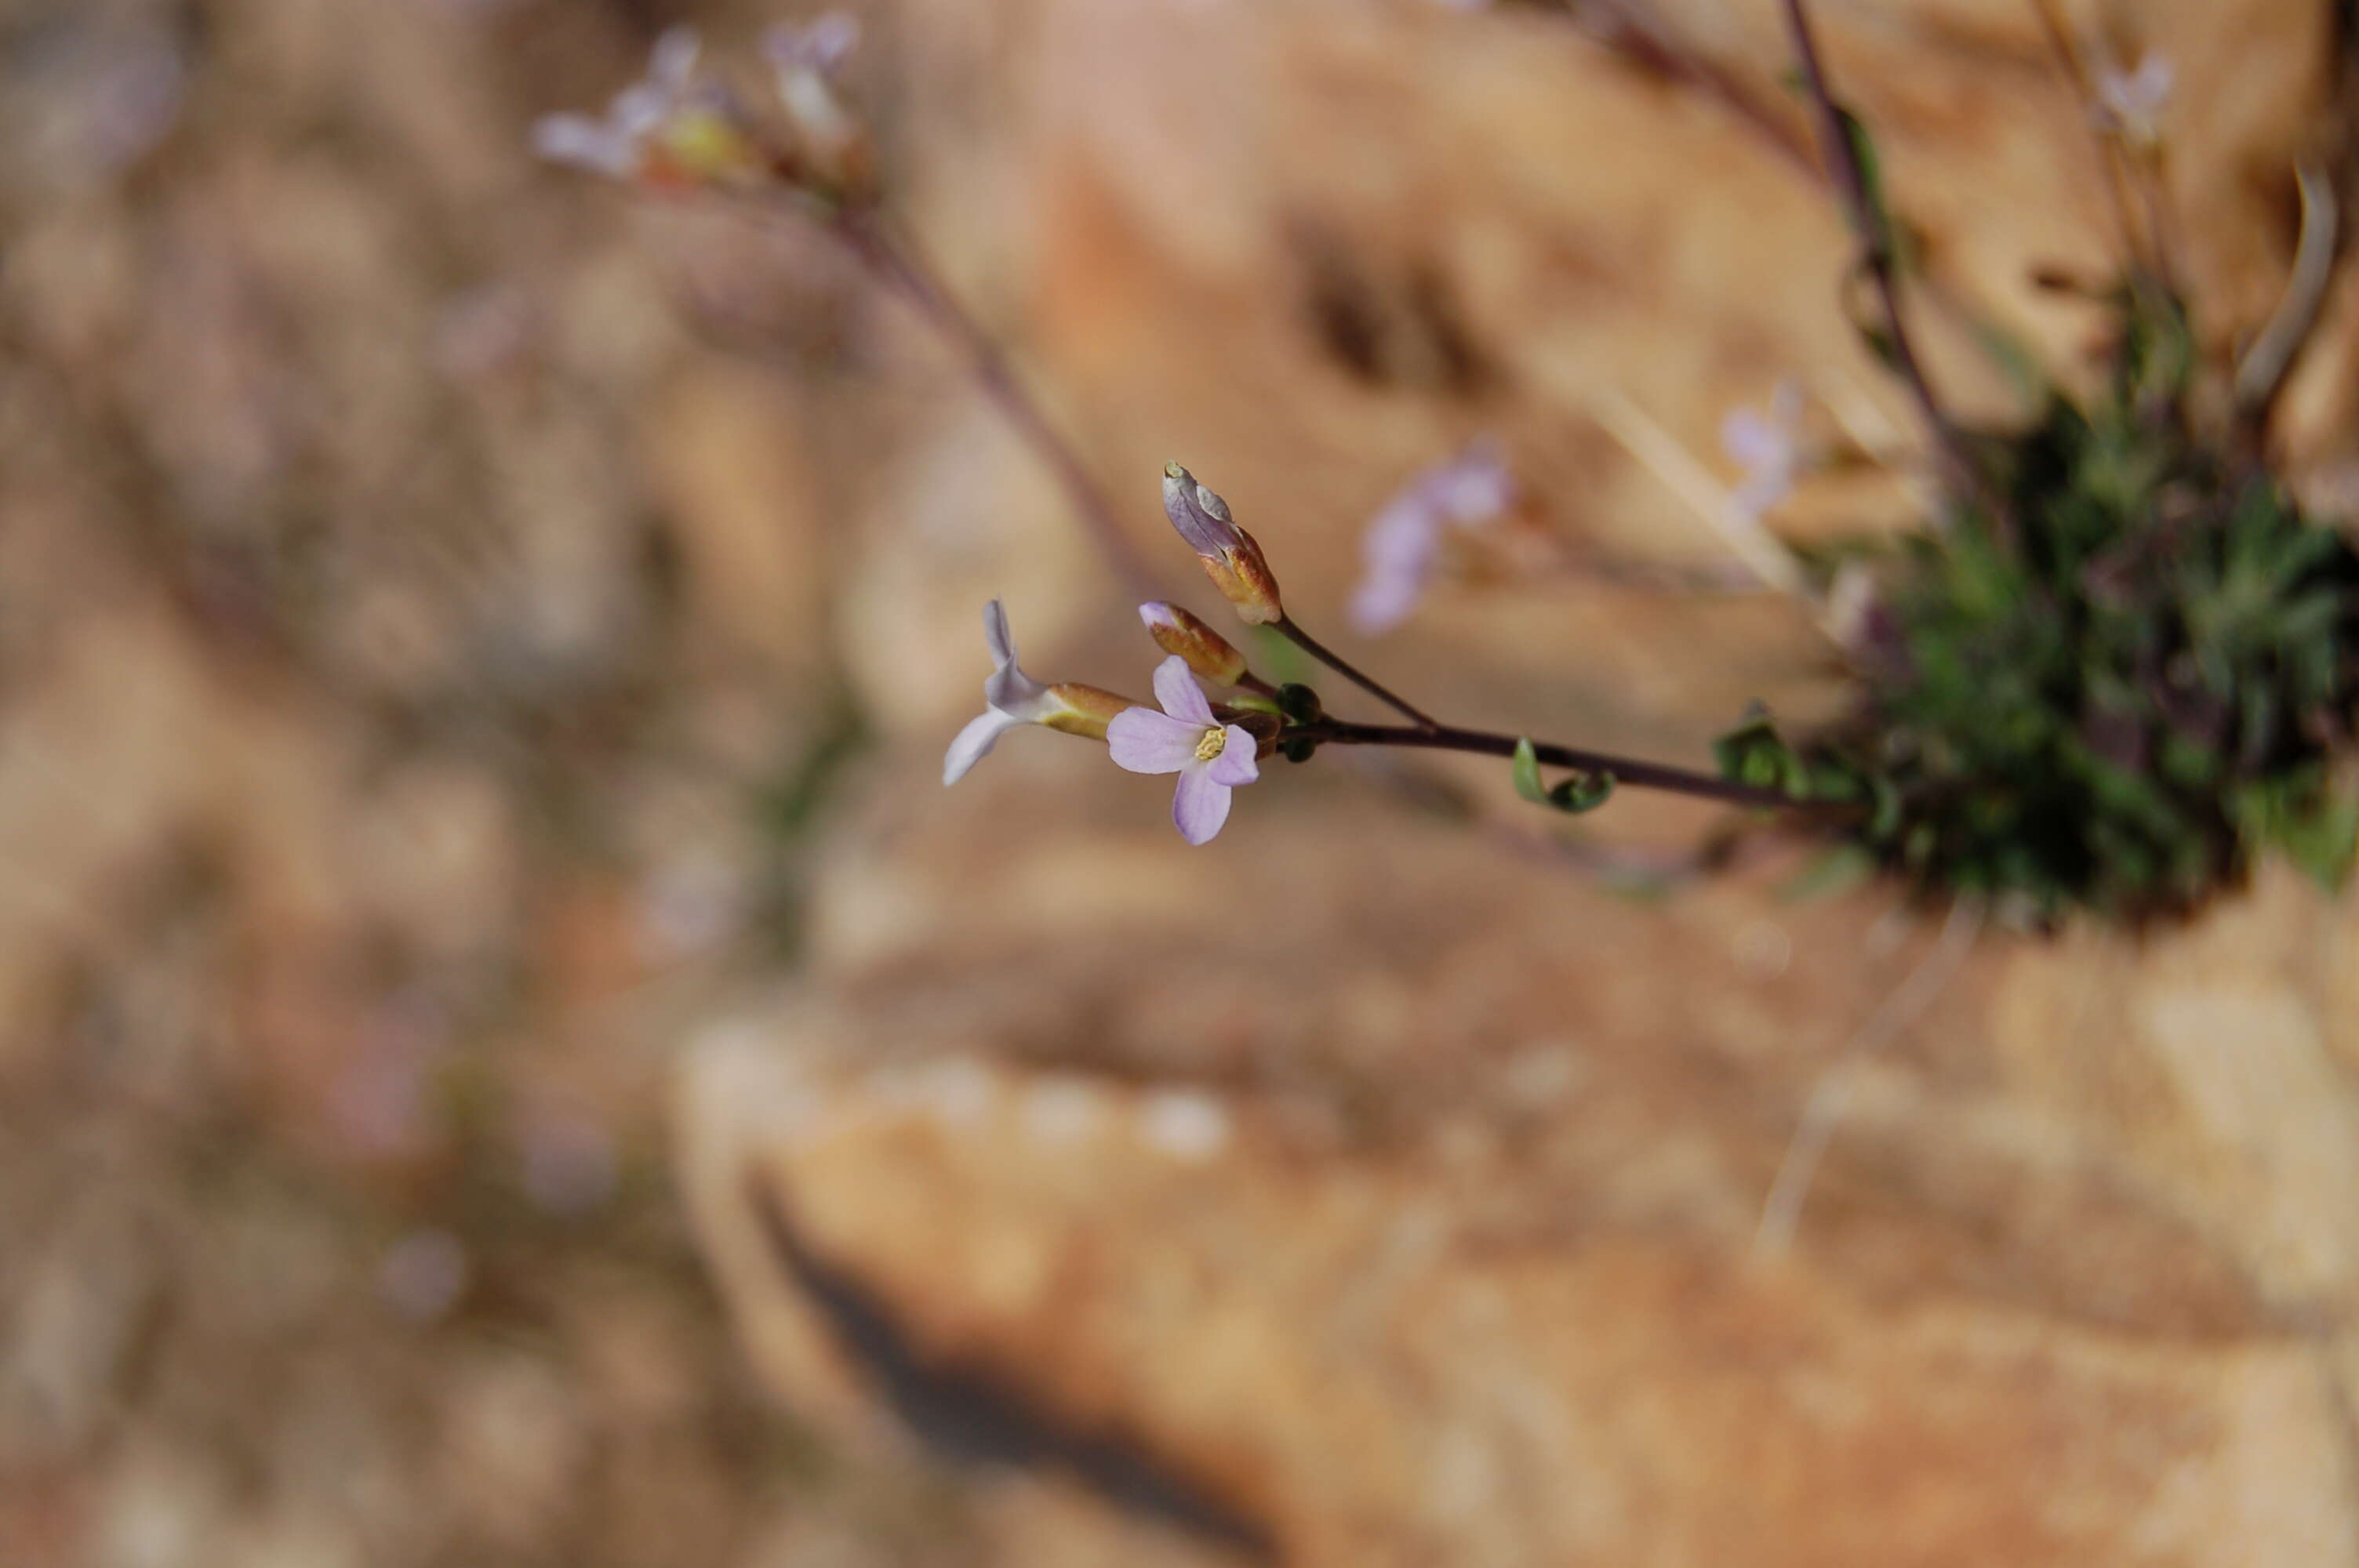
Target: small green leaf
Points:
(1527, 774)
(1582, 792)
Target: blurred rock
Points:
(1440, 1250)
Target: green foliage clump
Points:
(2111, 682)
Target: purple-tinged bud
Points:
(1231, 557)
(1202, 517)
(1208, 653)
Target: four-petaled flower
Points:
(1012, 700)
(1404, 540)
(1211, 758)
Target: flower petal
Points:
(1202, 517)
(1474, 487)
(973, 742)
(673, 63)
(1146, 742)
(1384, 599)
(1181, 697)
(1399, 549)
(1235, 764)
(1200, 805)
(1008, 688)
(996, 633)
(822, 44)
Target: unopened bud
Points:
(1209, 653)
(831, 144)
(1083, 710)
(1231, 557)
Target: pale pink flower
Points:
(1404, 540)
(1768, 447)
(1212, 759)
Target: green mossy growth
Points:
(2113, 686)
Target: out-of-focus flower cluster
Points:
(680, 128)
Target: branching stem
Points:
(1303, 639)
(895, 260)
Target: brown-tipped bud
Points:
(1083, 710)
(1208, 653)
(1231, 557)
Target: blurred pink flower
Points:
(1210, 759)
(1404, 539)
(2131, 103)
(1766, 447)
(618, 146)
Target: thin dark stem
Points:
(1627, 770)
(895, 262)
(1303, 639)
(1869, 221)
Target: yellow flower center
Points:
(1214, 743)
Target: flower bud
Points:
(1208, 653)
(833, 147)
(1231, 557)
(1083, 710)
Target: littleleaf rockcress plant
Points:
(2113, 667)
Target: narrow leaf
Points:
(1527, 774)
